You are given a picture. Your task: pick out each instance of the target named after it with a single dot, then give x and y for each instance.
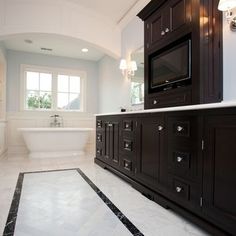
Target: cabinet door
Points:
(149, 150)
(179, 13)
(111, 142)
(219, 192)
(154, 29)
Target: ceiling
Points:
(60, 45)
(115, 10)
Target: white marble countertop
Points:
(180, 108)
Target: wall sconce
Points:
(128, 68)
(227, 6)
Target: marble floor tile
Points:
(150, 218)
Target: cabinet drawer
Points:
(181, 128)
(128, 125)
(128, 145)
(127, 165)
(99, 137)
(98, 152)
(168, 98)
(99, 124)
(181, 161)
(181, 189)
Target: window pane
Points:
(74, 102)
(45, 100)
(32, 100)
(45, 82)
(32, 80)
(62, 100)
(63, 83)
(74, 84)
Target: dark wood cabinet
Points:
(184, 160)
(107, 140)
(219, 171)
(166, 24)
(150, 150)
(174, 15)
(128, 148)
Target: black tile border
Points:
(11, 219)
(12, 215)
(125, 221)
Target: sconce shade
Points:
(225, 5)
(123, 64)
(133, 66)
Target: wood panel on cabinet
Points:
(219, 187)
(107, 140)
(150, 150)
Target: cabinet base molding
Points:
(164, 202)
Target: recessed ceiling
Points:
(115, 10)
(60, 45)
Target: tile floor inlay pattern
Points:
(63, 202)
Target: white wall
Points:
(132, 37)
(16, 58)
(114, 89)
(2, 100)
(17, 119)
(60, 17)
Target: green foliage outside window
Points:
(43, 102)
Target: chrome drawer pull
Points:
(180, 128)
(178, 189)
(160, 128)
(179, 159)
(110, 125)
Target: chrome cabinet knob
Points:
(127, 126)
(160, 127)
(179, 159)
(163, 33)
(178, 189)
(110, 125)
(126, 164)
(167, 30)
(180, 128)
(154, 102)
(126, 145)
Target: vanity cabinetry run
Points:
(184, 160)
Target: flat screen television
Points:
(172, 67)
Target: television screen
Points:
(171, 66)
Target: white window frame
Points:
(55, 72)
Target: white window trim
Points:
(54, 71)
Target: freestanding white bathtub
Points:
(55, 142)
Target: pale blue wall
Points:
(16, 58)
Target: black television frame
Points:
(178, 82)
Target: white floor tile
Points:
(150, 218)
